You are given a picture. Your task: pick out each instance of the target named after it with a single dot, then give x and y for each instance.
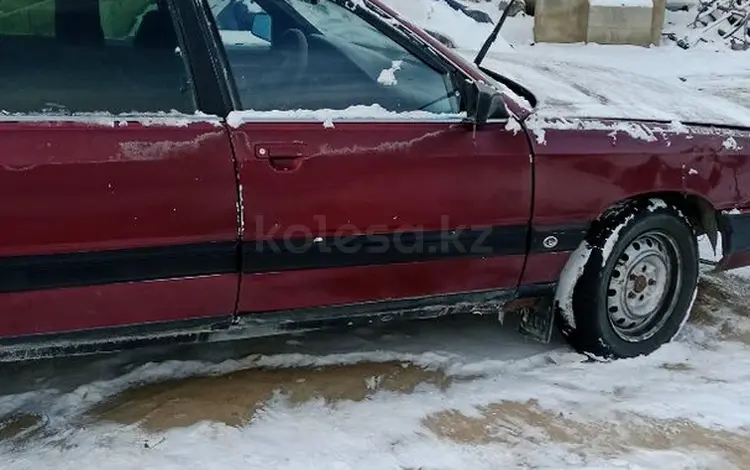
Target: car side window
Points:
(91, 56)
(301, 54)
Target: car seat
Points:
(156, 30)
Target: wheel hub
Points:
(639, 283)
(639, 287)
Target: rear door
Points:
(117, 201)
(359, 181)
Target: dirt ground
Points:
(512, 422)
(232, 399)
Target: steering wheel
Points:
(295, 50)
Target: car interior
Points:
(78, 69)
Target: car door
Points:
(359, 180)
(117, 201)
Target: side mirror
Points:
(261, 26)
(483, 103)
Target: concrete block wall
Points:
(657, 25)
(560, 20)
(620, 22)
(637, 22)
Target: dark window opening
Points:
(90, 56)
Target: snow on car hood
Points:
(578, 90)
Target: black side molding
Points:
(408, 247)
(26, 273)
(37, 272)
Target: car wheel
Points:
(638, 283)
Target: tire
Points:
(638, 284)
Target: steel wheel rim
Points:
(644, 286)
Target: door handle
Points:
(282, 156)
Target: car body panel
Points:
(376, 178)
(269, 292)
(614, 162)
(54, 311)
(545, 268)
(114, 183)
(98, 201)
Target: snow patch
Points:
(687, 315)
(538, 126)
(636, 131)
(709, 251)
(373, 112)
(240, 210)
(540, 133)
(731, 144)
(613, 238)
(169, 119)
(373, 383)
(568, 279)
(677, 127)
(387, 76)
(655, 204)
(513, 126)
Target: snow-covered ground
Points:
(709, 66)
(456, 394)
(449, 395)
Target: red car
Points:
(166, 176)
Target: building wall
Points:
(568, 21)
(561, 20)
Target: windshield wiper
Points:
(493, 36)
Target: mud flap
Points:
(538, 319)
